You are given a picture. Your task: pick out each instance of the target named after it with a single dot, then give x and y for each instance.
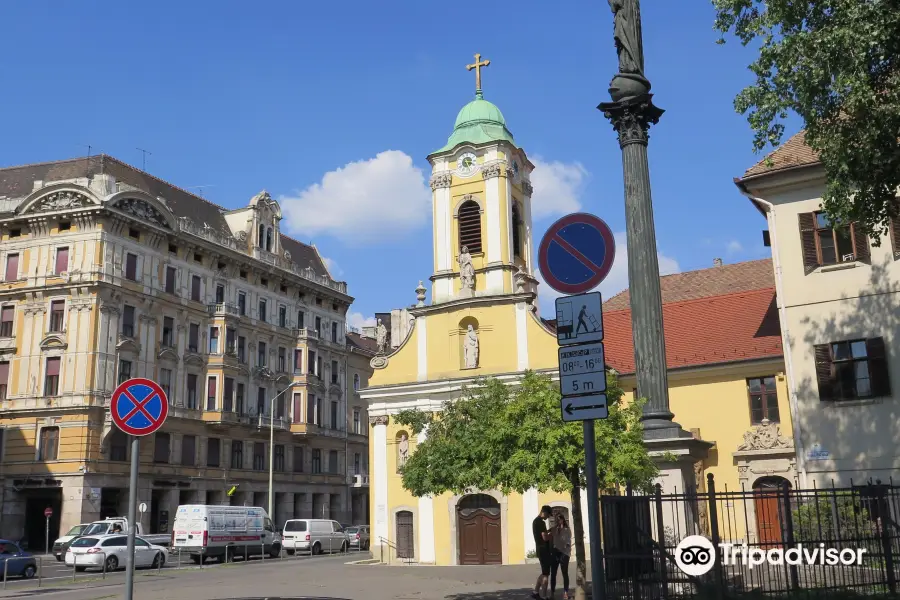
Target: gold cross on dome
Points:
(478, 66)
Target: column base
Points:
(675, 457)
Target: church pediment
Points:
(53, 342)
(58, 198)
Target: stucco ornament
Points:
(62, 201)
(381, 336)
(765, 436)
(466, 269)
(470, 348)
(142, 210)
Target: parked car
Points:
(15, 562)
(358, 536)
(315, 536)
(223, 532)
(109, 525)
(90, 552)
(62, 544)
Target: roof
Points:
(354, 340)
(18, 182)
(478, 122)
(792, 154)
(703, 283)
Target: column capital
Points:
(379, 420)
(632, 118)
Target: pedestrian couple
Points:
(554, 547)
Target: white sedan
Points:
(92, 551)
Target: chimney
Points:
(717, 262)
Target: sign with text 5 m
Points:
(582, 369)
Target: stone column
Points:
(379, 483)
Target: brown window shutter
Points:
(860, 243)
(895, 235)
(808, 241)
(878, 367)
(825, 372)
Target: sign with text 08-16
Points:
(139, 407)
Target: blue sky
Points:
(332, 108)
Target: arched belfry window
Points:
(470, 226)
(269, 239)
(261, 237)
(516, 231)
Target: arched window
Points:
(269, 240)
(261, 237)
(402, 449)
(356, 381)
(516, 231)
(470, 226)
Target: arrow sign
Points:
(584, 408)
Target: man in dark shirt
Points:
(542, 541)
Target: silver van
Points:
(315, 536)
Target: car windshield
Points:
(77, 530)
(295, 526)
(84, 542)
(352, 529)
(96, 529)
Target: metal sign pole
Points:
(598, 580)
(132, 514)
(47, 536)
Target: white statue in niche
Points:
(381, 336)
(466, 270)
(402, 449)
(470, 348)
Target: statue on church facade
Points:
(381, 336)
(402, 449)
(627, 34)
(466, 269)
(470, 348)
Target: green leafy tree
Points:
(513, 439)
(836, 64)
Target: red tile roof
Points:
(793, 153)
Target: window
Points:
(262, 310)
(279, 407)
(12, 267)
(14, 233)
(195, 288)
(128, 321)
(320, 410)
(356, 382)
(334, 414)
(213, 340)
(316, 461)
(173, 249)
(168, 336)
(191, 390)
(278, 459)
(318, 302)
(229, 340)
(824, 244)
(259, 456)
(264, 282)
(124, 371)
(357, 425)
(334, 331)
(193, 337)
(334, 371)
(211, 393)
(282, 316)
(134, 233)
(333, 461)
(298, 360)
(213, 452)
(189, 450)
(311, 413)
(237, 454)
(242, 274)
(49, 448)
(118, 446)
(161, 448)
(220, 294)
(261, 354)
(300, 319)
(239, 399)
(852, 370)
(65, 225)
(57, 315)
(62, 260)
(356, 462)
(228, 395)
(261, 401)
(261, 236)
(318, 325)
(298, 407)
(311, 367)
(242, 303)
(170, 280)
(241, 349)
(283, 288)
(282, 360)
(763, 399)
(4, 379)
(198, 257)
(470, 226)
(318, 366)
(516, 231)
(6, 321)
(131, 266)
(165, 382)
(269, 239)
(298, 459)
(51, 378)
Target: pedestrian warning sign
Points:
(579, 319)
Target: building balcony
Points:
(224, 417)
(279, 423)
(304, 333)
(358, 480)
(222, 310)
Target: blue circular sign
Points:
(139, 406)
(576, 253)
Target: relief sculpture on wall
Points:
(765, 436)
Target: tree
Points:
(835, 63)
(513, 439)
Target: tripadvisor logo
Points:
(696, 555)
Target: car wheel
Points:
(80, 569)
(112, 563)
(158, 561)
(275, 552)
(29, 571)
(290, 552)
(344, 548)
(316, 549)
(59, 559)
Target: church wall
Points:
(403, 364)
(445, 337)
(542, 346)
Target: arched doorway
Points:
(768, 503)
(406, 542)
(480, 536)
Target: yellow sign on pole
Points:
(232, 490)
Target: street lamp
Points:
(272, 443)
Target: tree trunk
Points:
(578, 536)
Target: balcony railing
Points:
(305, 333)
(222, 309)
(281, 423)
(360, 481)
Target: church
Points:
(482, 321)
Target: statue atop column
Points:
(627, 34)
(470, 348)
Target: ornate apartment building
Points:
(109, 273)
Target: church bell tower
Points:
(481, 191)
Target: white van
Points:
(315, 536)
(224, 532)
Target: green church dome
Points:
(479, 122)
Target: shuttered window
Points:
(469, 218)
(825, 245)
(188, 450)
(213, 452)
(852, 370)
(895, 236)
(161, 447)
(298, 459)
(51, 377)
(298, 408)
(62, 260)
(12, 267)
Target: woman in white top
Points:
(562, 550)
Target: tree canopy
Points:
(836, 64)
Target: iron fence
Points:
(641, 535)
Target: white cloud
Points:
(333, 268)
(615, 282)
(358, 321)
(734, 247)
(557, 188)
(363, 202)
